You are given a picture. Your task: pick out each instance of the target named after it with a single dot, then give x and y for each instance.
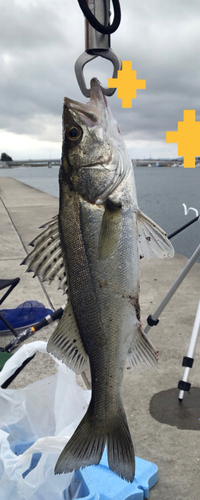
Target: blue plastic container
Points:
(98, 482)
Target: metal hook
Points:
(85, 58)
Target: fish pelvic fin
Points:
(141, 351)
(46, 259)
(152, 240)
(66, 344)
(87, 444)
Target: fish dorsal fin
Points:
(66, 344)
(152, 240)
(141, 351)
(46, 259)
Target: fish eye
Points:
(72, 133)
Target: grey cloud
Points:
(37, 59)
(40, 42)
(162, 39)
(29, 25)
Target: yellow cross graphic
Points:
(126, 84)
(187, 137)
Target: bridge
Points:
(159, 162)
(31, 163)
(50, 163)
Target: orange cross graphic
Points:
(187, 137)
(126, 84)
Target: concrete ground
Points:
(176, 452)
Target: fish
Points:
(94, 247)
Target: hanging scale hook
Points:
(97, 43)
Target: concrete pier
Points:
(175, 451)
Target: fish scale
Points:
(102, 346)
(80, 284)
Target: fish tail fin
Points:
(84, 448)
(87, 444)
(121, 456)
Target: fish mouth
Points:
(92, 111)
(88, 115)
(96, 93)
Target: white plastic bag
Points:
(45, 413)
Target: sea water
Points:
(161, 193)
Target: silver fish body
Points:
(102, 235)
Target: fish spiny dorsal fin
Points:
(152, 240)
(51, 229)
(66, 344)
(46, 259)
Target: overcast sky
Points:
(40, 41)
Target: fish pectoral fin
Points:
(46, 259)
(66, 344)
(141, 351)
(152, 240)
(110, 229)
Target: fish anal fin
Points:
(152, 240)
(141, 351)
(66, 344)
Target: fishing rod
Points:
(33, 329)
(56, 315)
(152, 319)
(25, 335)
(183, 227)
